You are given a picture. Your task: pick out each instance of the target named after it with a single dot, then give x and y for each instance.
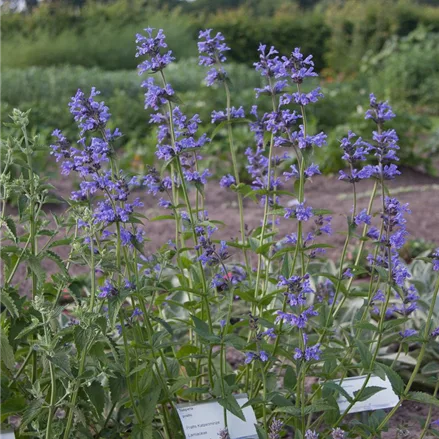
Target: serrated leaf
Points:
(118, 388)
(33, 410)
(318, 406)
(231, 405)
(293, 411)
(35, 324)
(290, 378)
(35, 267)
(57, 259)
(22, 205)
(8, 303)
(338, 388)
(201, 327)
(147, 406)
(96, 395)
(83, 337)
(262, 434)
(10, 226)
(424, 398)
(365, 355)
(62, 361)
(396, 381)
(12, 406)
(7, 353)
(165, 324)
(59, 242)
(367, 392)
(431, 368)
(114, 305)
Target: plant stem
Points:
(52, 385)
(430, 411)
(418, 362)
(237, 180)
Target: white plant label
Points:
(205, 420)
(383, 399)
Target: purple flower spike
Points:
(211, 50)
(151, 47)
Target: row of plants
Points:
(411, 89)
(149, 330)
(338, 33)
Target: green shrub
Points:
(48, 90)
(337, 34)
(358, 26)
(99, 36)
(305, 29)
(407, 69)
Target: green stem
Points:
(418, 362)
(74, 396)
(85, 349)
(52, 386)
(430, 411)
(127, 371)
(237, 180)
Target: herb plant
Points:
(109, 355)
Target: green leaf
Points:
(376, 418)
(431, 368)
(96, 395)
(22, 205)
(293, 411)
(12, 406)
(35, 324)
(141, 431)
(114, 304)
(147, 406)
(57, 259)
(201, 328)
(118, 387)
(424, 398)
(290, 378)
(35, 267)
(8, 302)
(254, 243)
(62, 361)
(262, 434)
(33, 410)
(263, 249)
(10, 226)
(230, 404)
(367, 392)
(396, 381)
(163, 217)
(318, 406)
(335, 386)
(83, 337)
(235, 340)
(7, 353)
(365, 355)
(165, 324)
(58, 242)
(279, 400)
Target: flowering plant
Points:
(147, 330)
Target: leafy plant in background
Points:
(147, 331)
